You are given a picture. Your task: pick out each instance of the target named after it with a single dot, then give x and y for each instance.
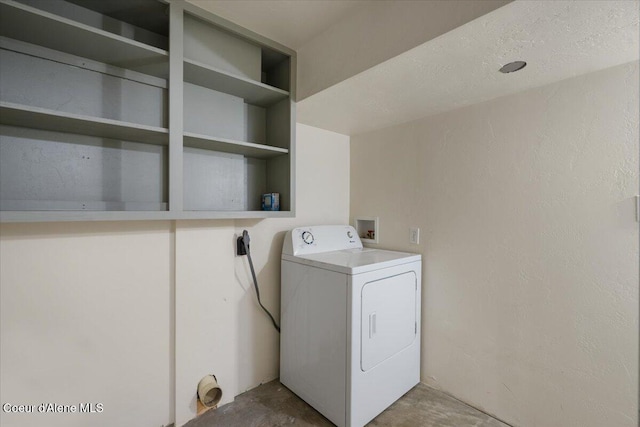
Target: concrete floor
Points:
(272, 404)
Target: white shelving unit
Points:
(93, 126)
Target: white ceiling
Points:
(289, 22)
(558, 39)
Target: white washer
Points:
(350, 320)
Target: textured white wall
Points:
(228, 334)
(85, 317)
(530, 245)
(87, 309)
(322, 192)
(204, 311)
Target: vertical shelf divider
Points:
(176, 96)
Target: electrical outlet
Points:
(414, 235)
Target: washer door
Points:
(388, 323)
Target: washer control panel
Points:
(320, 238)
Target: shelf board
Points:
(132, 215)
(44, 119)
(248, 149)
(76, 206)
(253, 92)
(58, 216)
(234, 214)
(31, 25)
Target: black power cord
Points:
(243, 249)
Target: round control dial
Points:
(350, 234)
(307, 237)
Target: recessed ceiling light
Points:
(513, 66)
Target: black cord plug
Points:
(245, 240)
(242, 244)
(240, 250)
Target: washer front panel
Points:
(320, 239)
(388, 318)
(388, 376)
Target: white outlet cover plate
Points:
(414, 235)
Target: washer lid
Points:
(354, 261)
